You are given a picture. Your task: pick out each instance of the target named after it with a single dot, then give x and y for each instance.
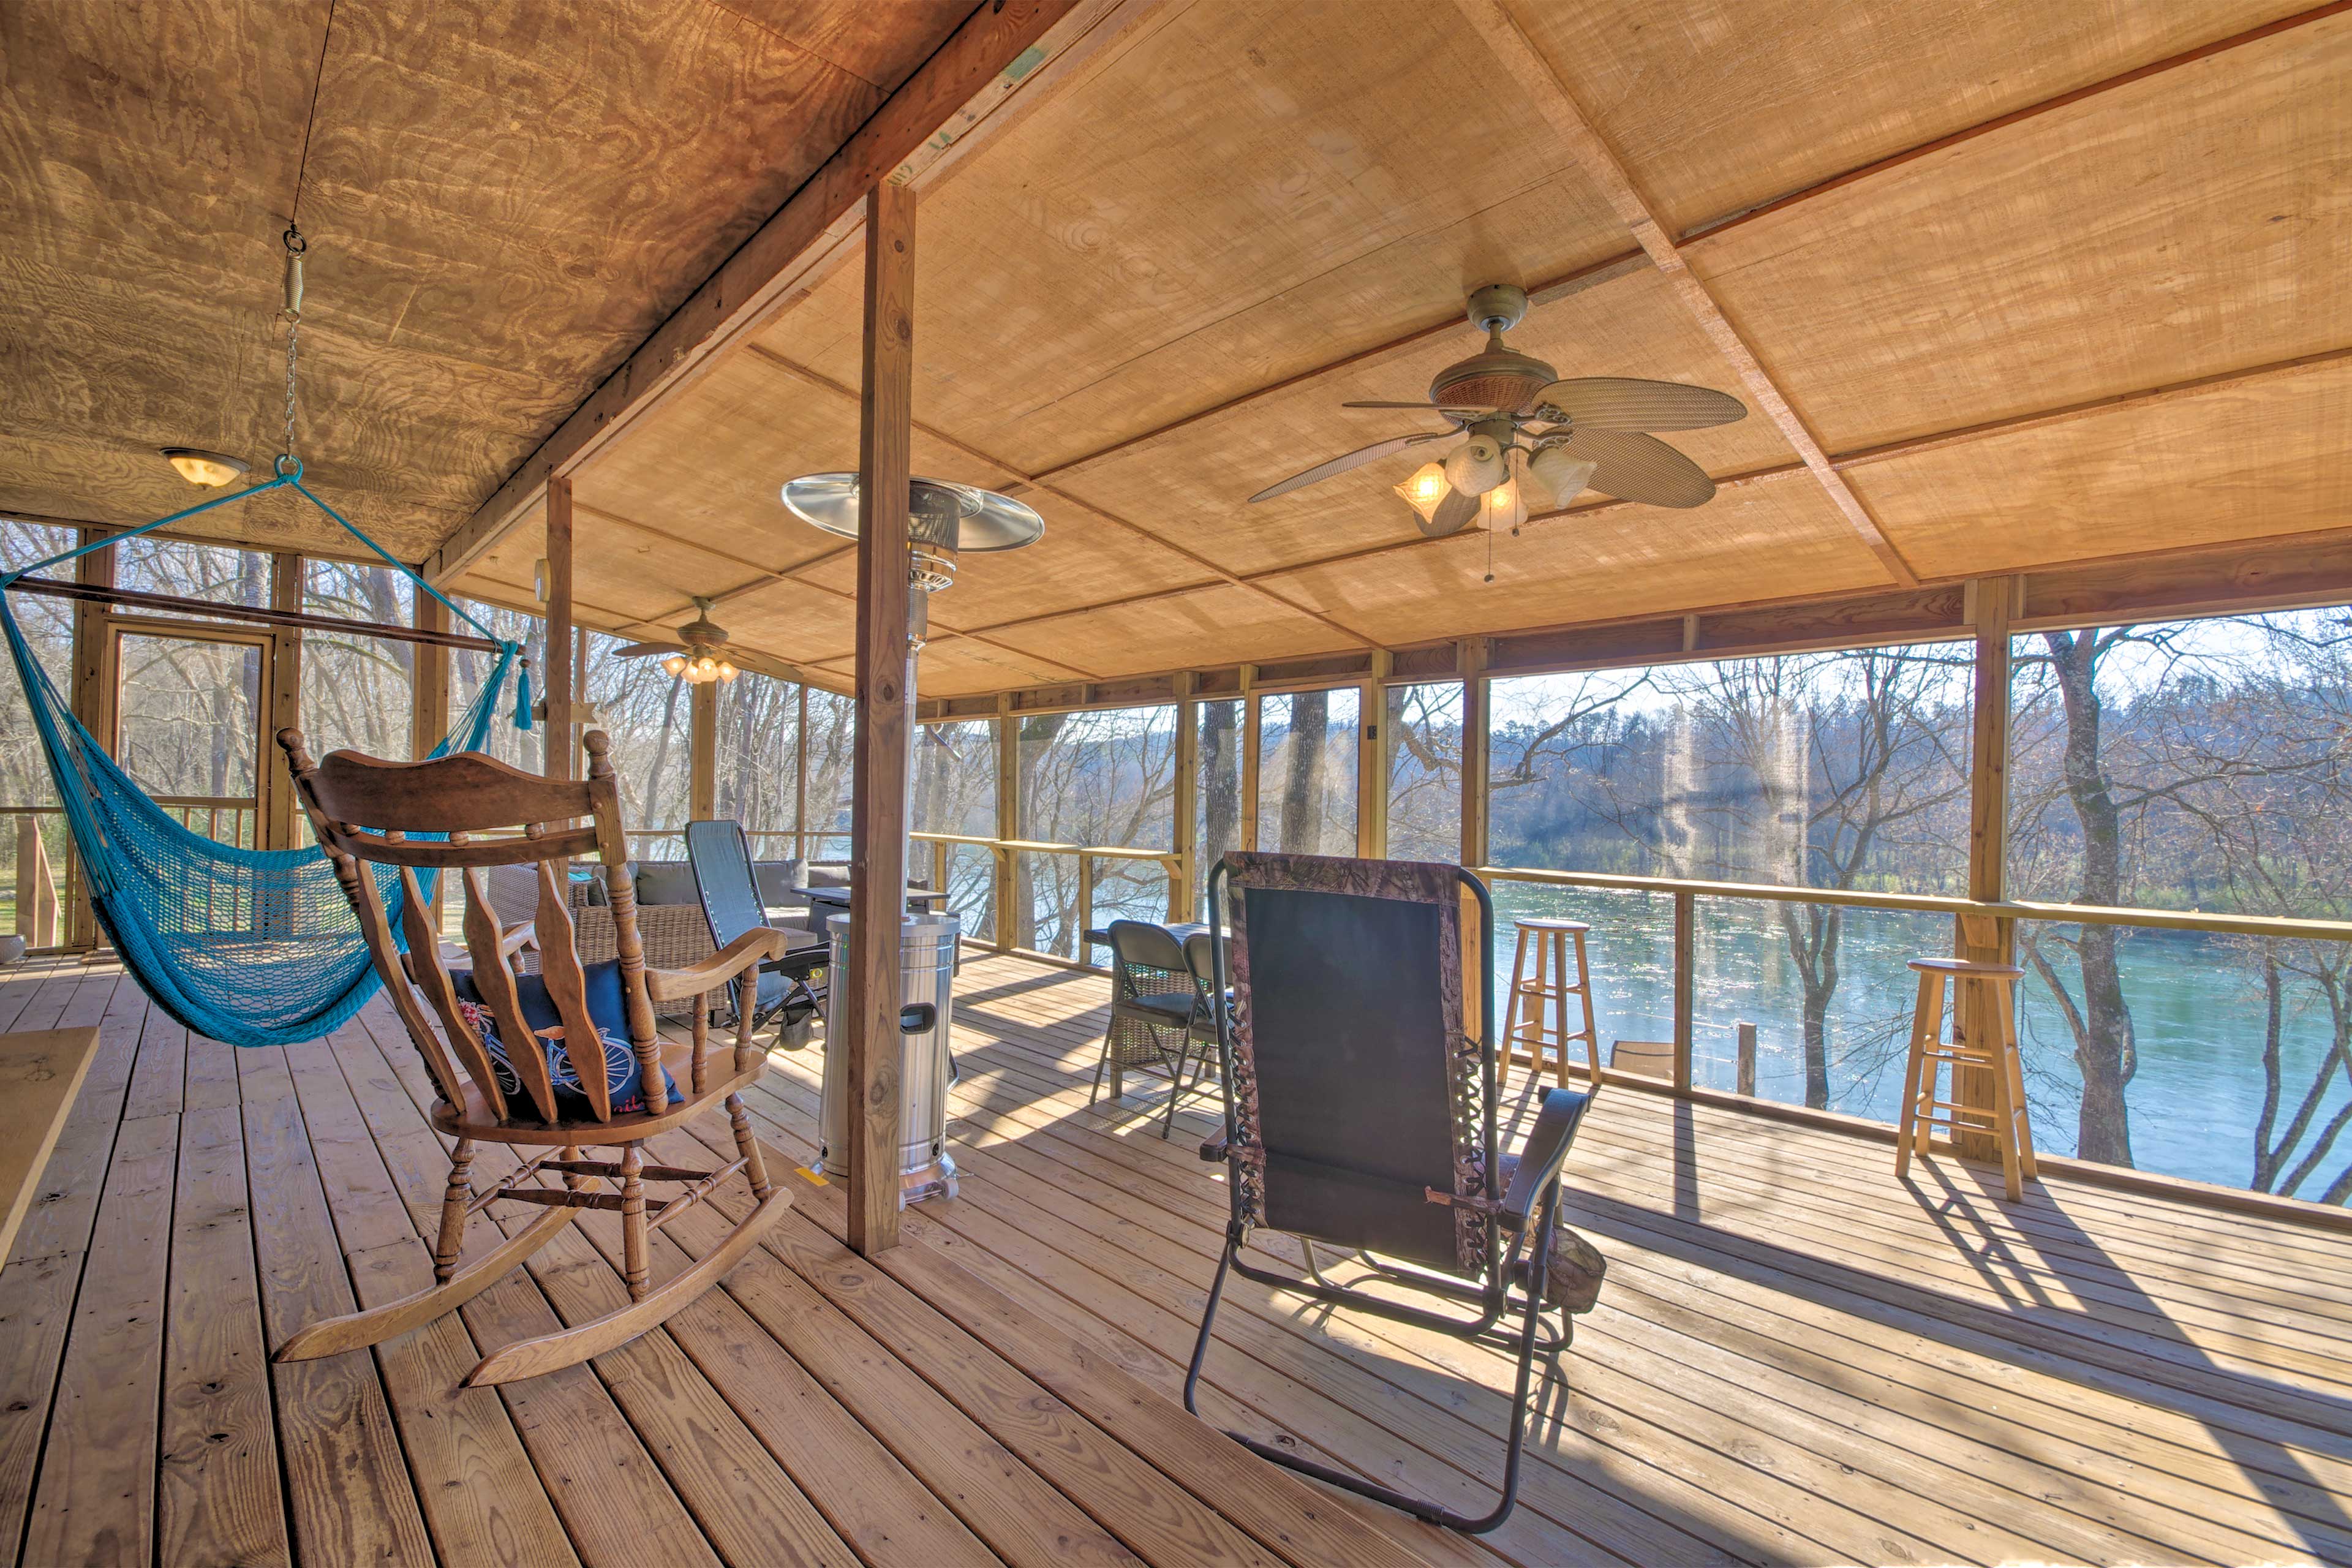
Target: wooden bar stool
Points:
(1529, 1036)
(2007, 1123)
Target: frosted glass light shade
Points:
(1425, 489)
(1476, 466)
(1561, 474)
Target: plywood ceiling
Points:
(2043, 283)
(502, 201)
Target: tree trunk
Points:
(1302, 790)
(1811, 932)
(2104, 1052)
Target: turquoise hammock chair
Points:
(255, 947)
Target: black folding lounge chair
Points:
(730, 889)
(1358, 1114)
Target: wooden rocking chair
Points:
(526, 1078)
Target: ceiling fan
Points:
(1534, 439)
(695, 656)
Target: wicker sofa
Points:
(670, 921)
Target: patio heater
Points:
(943, 520)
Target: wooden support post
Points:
(1746, 1082)
(1080, 949)
(558, 741)
(1983, 940)
(93, 699)
(1373, 748)
(1685, 975)
(1008, 825)
(1471, 658)
(1251, 735)
(276, 829)
(702, 751)
(428, 704)
(801, 843)
(1185, 839)
(877, 848)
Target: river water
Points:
(2196, 1010)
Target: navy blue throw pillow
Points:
(604, 1010)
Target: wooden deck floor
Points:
(1795, 1360)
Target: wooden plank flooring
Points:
(1795, 1359)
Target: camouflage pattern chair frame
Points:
(1358, 1114)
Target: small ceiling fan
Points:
(695, 656)
(1534, 441)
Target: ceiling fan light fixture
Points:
(207, 470)
(1424, 488)
(1503, 507)
(1477, 466)
(1561, 472)
(675, 664)
(727, 672)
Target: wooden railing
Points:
(35, 890)
(1686, 893)
(207, 813)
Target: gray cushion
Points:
(666, 882)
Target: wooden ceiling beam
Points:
(767, 355)
(768, 578)
(1538, 295)
(1520, 56)
(968, 90)
(1713, 226)
(2289, 572)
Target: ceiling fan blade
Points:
(1622, 403)
(1637, 468)
(1452, 515)
(1388, 406)
(641, 649)
(1356, 459)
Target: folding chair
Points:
(729, 887)
(1358, 1115)
(1160, 1009)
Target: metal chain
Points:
(292, 316)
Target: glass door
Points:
(188, 712)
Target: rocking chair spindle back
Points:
(561, 1061)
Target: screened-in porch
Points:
(1175, 782)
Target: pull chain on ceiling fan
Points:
(1534, 441)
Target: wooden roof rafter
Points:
(1218, 573)
(972, 78)
(1518, 56)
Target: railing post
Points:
(1982, 939)
(275, 828)
(1746, 1082)
(1078, 947)
(1373, 749)
(1008, 824)
(428, 704)
(93, 701)
(1471, 658)
(1685, 970)
(1250, 727)
(1185, 805)
(556, 759)
(36, 889)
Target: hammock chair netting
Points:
(250, 946)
